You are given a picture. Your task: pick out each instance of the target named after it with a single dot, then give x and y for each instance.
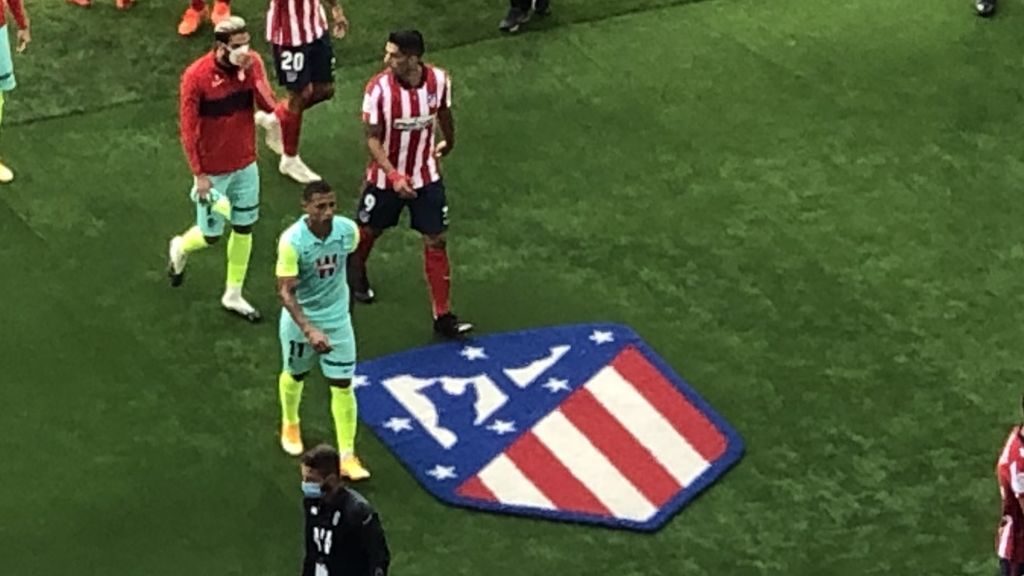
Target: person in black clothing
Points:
(344, 536)
(520, 11)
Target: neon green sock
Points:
(290, 391)
(1, 105)
(193, 240)
(344, 410)
(239, 249)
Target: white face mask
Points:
(237, 55)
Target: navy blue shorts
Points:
(380, 208)
(1005, 569)
(298, 66)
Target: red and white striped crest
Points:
(581, 423)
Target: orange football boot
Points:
(221, 12)
(190, 21)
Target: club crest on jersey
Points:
(326, 265)
(581, 423)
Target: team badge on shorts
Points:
(580, 423)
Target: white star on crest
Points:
(502, 427)
(602, 337)
(556, 385)
(442, 472)
(473, 353)
(396, 425)
(359, 381)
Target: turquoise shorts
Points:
(7, 82)
(241, 189)
(298, 355)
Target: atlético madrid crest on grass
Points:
(580, 423)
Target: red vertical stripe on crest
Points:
(552, 478)
(690, 422)
(621, 448)
(474, 488)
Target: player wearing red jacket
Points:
(7, 82)
(218, 131)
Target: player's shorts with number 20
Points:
(298, 66)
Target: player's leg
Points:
(293, 73)
(192, 18)
(243, 191)
(297, 360)
(379, 209)
(338, 367)
(82, 3)
(429, 211)
(518, 14)
(211, 217)
(7, 84)
(125, 4)
(985, 7)
(321, 71)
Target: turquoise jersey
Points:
(319, 265)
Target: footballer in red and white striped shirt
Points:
(400, 109)
(304, 61)
(1010, 534)
(407, 116)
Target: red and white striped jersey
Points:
(295, 22)
(407, 115)
(1010, 472)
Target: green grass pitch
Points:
(811, 209)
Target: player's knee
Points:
(242, 229)
(326, 92)
(299, 377)
(437, 242)
(297, 100)
(211, 240)
(340, 382)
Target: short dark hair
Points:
(409, 42)
(314, 188)
(323, 458)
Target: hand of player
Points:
(318, 340)
(203, 187)
(442, 149)
(245, 61)
(340, 22)
(24, 37)
(404, 189)
(400, 184)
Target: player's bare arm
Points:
(340, 24)
(286, 292)
(21, 17)
(446, 122)
(375, 142)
